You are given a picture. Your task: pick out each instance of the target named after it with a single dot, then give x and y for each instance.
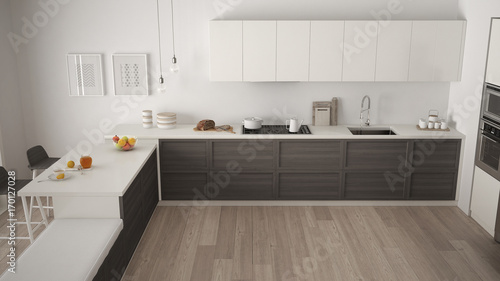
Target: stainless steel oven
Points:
(488, 152)
(491, 103)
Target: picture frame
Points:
(130, 74)
(85, 75)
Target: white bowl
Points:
(166, 115)
(147, 119)
(166, 122)
(147, 113)
(147, 125)
(166, 126)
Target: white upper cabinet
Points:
(292, 51)
(449, 50)
(493, 68)
(226, 51)
(393, 50)
(360, 50)
(436, 50)
(327, 41)
(351, 51)
(259, 50)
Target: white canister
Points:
(444, 125)
(430, 125)
(433, 115)
(437, 125)
(422, 124)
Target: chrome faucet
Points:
(367, 122)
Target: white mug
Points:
(422, 124)
(430, 125)
(444, 126)
(437, 125)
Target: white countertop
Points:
(185, 131)
(112, 173)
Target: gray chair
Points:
(38, 159)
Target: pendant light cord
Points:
(173, 37)
(159, 34)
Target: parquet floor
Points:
(314, 243)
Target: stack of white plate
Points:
(147, 119)
(166, 120)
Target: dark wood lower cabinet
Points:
(372, 186)
(137, 205)
(349, 169)
(183, 186)
(242, 186)
(312, 186)
(433, 186)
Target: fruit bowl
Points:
(124, 143)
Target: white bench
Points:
(69, 249)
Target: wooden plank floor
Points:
(314, 243)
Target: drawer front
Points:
(375, 155)
(182, 186)
(309, 155)
(299, 186)
(372, 185)
(249, 154)
(252, 186)
(183, 155)
(433, 186)
(436, 154)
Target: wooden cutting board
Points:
(217, 129)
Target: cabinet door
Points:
(149, 179)
(360, 50)
(422, 51)
(433, 186)
(372, 186)
(393, 51)
(303, 186)
(226, 51)
(327, 40)
(183, 155)
(259, 50)
(436, 50)
(183, 186)
(449, 50)
(309, 155)
(243, 154)
(493, 66)
(484, 201)
(292, 51)
(376, 155)
(243, 186)
(436, 154)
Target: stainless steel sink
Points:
(371, 131)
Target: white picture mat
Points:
(85, 75)
(130, 74)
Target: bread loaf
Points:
(206, 124)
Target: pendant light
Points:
(174, 67)
(162, 87)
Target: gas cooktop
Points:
(277, 130)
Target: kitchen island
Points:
(121, 185)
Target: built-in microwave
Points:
(491, 103)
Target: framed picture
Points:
(130, 74)
(85, 75)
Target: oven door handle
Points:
(495, 141)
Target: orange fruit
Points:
(122, 142)
(71, 164)
(131, 141)
(60, 176)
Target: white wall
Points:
(12, 144)
(465, 97)
(91, 26)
